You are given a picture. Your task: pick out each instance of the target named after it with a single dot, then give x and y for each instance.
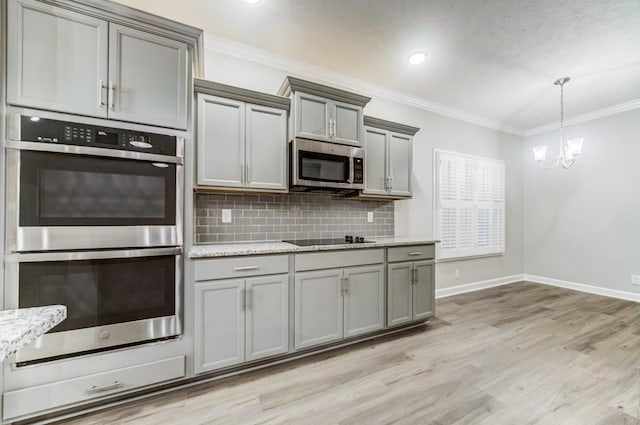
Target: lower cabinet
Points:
(239, 320)
(337, 303)
(410, 292)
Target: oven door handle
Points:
(90, 255)
(89, 150)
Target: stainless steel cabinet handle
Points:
(413, 276)
(100, 88)
(245, 268)
(329, 128)
(243, 303)
(333, 131)
(390, 182)
(98, 389)
(346, 286)
(415, 253)
(111, 95)
(246, 173)
(249, 298)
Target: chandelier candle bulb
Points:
(570, 149)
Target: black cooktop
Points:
(331, 241)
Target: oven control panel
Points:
(35, 129)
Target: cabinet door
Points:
(267, 316)
(219, 324)
(399, 293)
(148, 75)
(57, 59)
(312, 114)
(400, 159)
(347, 124)
(266, 147)
(318, 307)
(423, 290)
(220, 144)
(375, 161)
(363, 300)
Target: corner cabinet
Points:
(240, 314)
(324, 113)
(410, 284)
(241, 139)
(389, 158)
(336, 303)
(66, 61)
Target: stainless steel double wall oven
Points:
(93, 221)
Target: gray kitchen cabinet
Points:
(324, 113)
(389, 159)
(241, 310)
(410, 292)
(147, 78)
(66, 61)
(363, 300)
(220, 142)
(56, 59)
(240, 144)
(240, 320)
(410, 284)
(335, 303)
(318, 307)
(219, 325)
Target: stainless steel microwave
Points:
(325, 167)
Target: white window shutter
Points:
(470, 216)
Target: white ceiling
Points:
(495, 59)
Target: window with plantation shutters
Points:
(470, 205)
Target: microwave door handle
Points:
(351, 173)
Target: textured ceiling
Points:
(492, 58)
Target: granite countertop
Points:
(22, 326)
(258, 248)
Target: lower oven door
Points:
(113, 298)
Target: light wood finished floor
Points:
(519, 354)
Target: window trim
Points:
(480, 252)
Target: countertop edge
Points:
(266, 248)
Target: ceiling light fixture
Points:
(417, 57)
(252, 1)
(570, 149)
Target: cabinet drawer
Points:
(223, 268)
(338, 259)
(35, 399)
(411, 253)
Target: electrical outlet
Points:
(226, 216)
(635, 279)
(456, 275)
(369, 216)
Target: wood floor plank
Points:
(519, 354)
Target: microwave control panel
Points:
(358, 171)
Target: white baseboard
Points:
(613, 293)
(476, 286)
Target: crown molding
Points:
(589, 116)
(306, 70)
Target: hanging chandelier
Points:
(569, 149)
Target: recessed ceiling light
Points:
(252, 1)
(417, 57)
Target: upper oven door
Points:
(62, 197)
(318, 164)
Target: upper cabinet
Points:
(388, 160)
(324, 113)
(241, 139)
(68, 61)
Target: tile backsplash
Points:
(289, 216)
